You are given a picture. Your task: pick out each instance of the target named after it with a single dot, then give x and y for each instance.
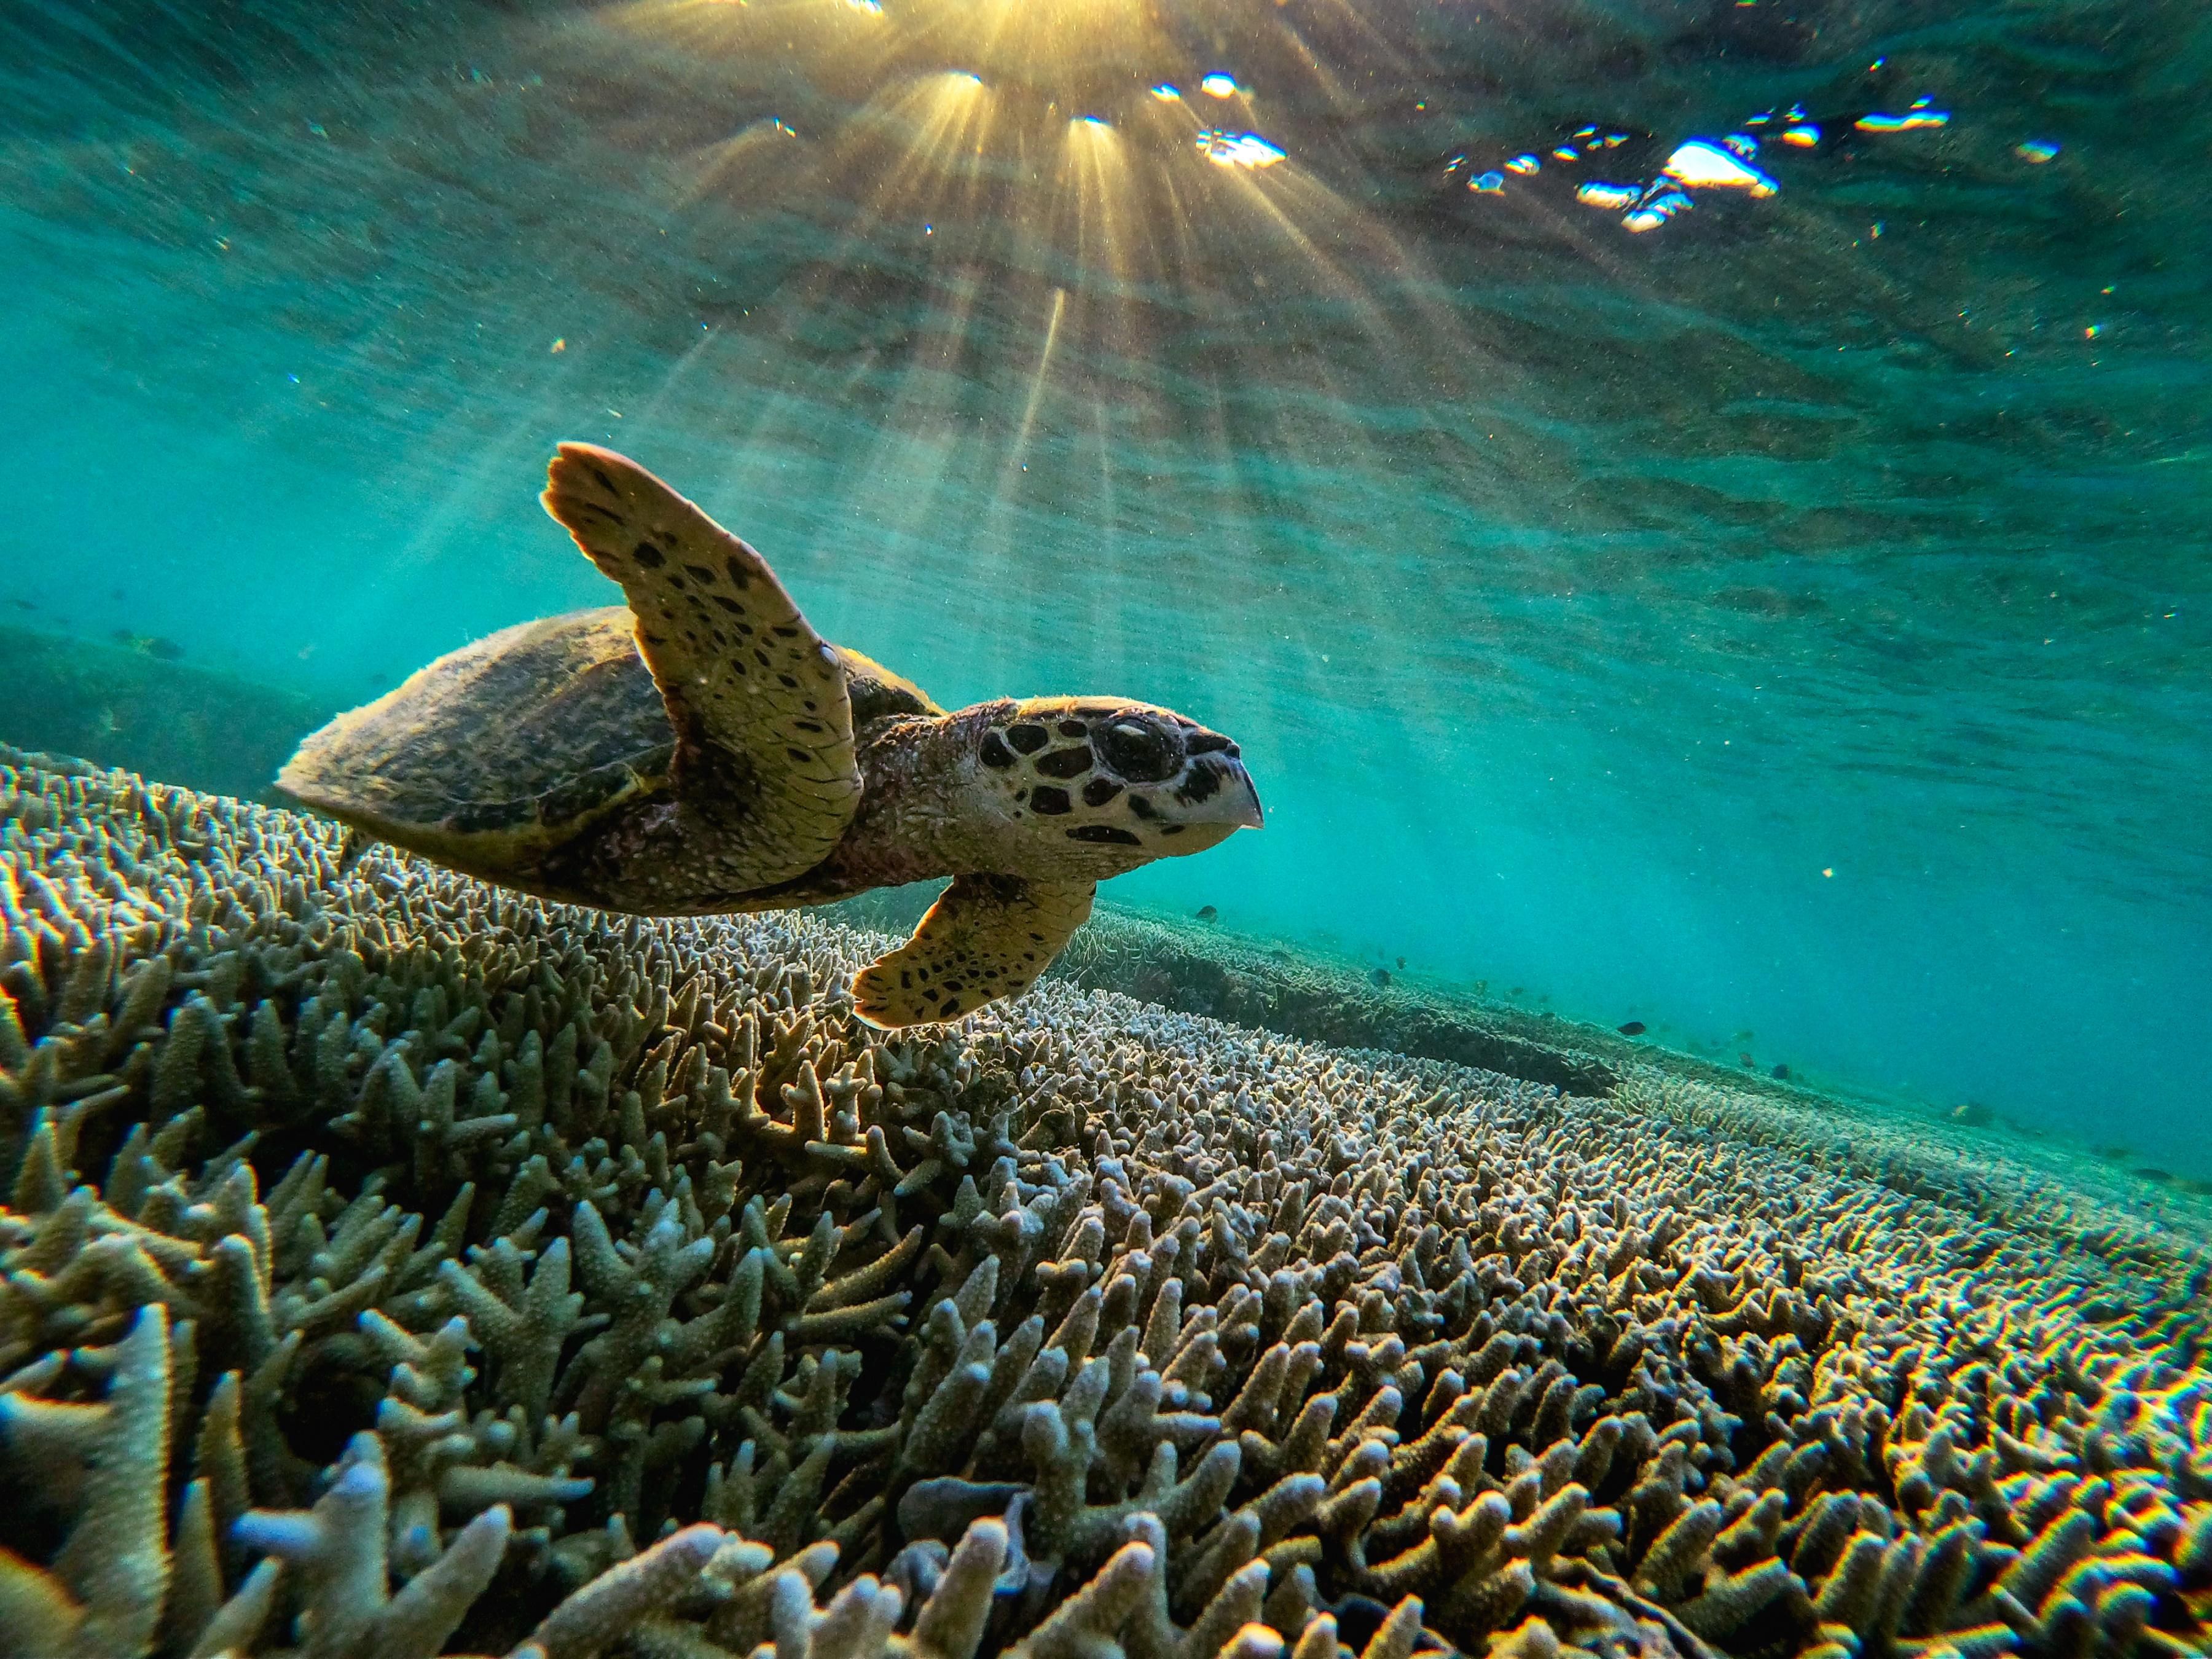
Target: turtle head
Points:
(1084, 786)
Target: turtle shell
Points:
(498, 753)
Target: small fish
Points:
(1207, 913)
(1781, 1072)
(1748, 1061)
(1382, 978)
(2116, 1154)
(1402, 964)
(1634, 1028)
(22, 604)
(2163, 1177)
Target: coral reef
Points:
(393, 1265)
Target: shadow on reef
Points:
(390, 1262)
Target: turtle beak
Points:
(1217, 790)
(1245, 799)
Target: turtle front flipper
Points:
(986, 937)
(763, 725)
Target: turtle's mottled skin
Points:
(703, 750)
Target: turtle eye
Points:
(1138, 749)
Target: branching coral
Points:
(393, 1265)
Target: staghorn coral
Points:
(392, 1264)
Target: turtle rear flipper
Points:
(986, 937)
(763, 725)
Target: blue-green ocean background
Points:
(1788, 627)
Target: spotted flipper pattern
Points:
(986, 937)
(756, 697)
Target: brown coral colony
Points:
(394, 1265)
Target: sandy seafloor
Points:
(394, 1265)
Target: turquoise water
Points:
(1790, 619)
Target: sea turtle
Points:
(702, 750)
